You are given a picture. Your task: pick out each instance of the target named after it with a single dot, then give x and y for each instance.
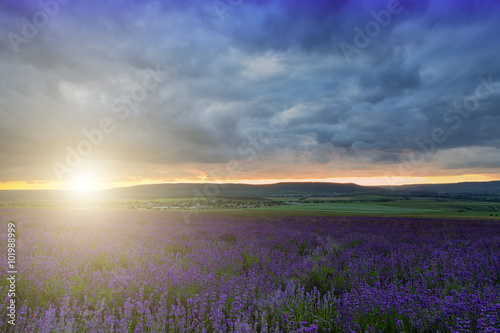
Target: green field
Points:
(455, 208)
(364, 208)
(415, 207)
(292, 206)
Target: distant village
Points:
(190, 205)
(155, 205)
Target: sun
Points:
(84, 184)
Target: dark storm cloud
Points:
(227, 73)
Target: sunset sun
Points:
(84, 184)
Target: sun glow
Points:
(84, 184)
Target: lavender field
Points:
(132, 271)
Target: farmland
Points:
(149, 271)
(361, 205)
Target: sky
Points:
(96, 94)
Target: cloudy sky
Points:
(123, 92)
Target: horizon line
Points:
(273, 182)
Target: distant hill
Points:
(476, 188)
(258, 191)
(191, 190)
(239, 190)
